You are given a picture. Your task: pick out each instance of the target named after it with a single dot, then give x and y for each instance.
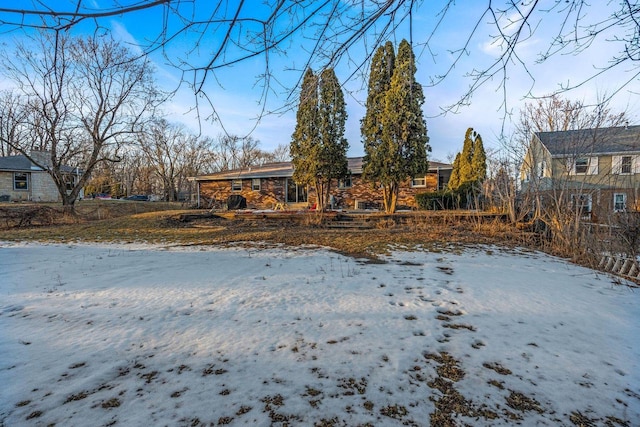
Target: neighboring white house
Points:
(21, 180)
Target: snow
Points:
(147, 335)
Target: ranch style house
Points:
(271, 186)
(22, 180)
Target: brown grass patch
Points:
(123, 222)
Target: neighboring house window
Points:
(581, 203)
(619, 202)
(540, 169)
(236, 185)
(624, 165)
(255, 184)
(419, 182)
(585, 166)
(20, 181)
(345, 183)
(69, 181)
(582, 165)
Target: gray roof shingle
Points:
(16, 163)
(20, 163)
(624, 139)
(285, 170)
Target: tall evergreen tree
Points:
(466, 170)
(332, 155)
(479, 160)
(306, 138)
(404, 131)
(382, 66)
(454, 179)
(396, 139)
(470, 165)
(318, 147)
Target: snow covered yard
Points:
(140, 335)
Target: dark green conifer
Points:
(396, 139)
(318, 147)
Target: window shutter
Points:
(593, 166)
(636, 164)
(571, 166)
(616, 165)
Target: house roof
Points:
(285, 170)
(17, 164)
(625, 139)
(20, 163)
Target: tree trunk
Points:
(390, 195)
(322, 194)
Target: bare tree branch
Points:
(220, 34)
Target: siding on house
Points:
(41, 187)
(596, 164)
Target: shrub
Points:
(464, 197)
(437, 200)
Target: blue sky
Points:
(237, 94)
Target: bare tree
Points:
(500, 187)
(174, 154)
(329, 31)
(79, 101)
(10, 114)
(234, 152)
(280, 153)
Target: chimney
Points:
(42, 157)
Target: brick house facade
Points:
(264, 187)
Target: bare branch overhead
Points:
(200, 37)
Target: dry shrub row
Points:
(28, 216)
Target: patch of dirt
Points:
(459, 326)
(77, 396)
(397, 412)
(352, 385)
(111, 403)
(495, 366)
(521, 402)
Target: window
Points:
(619, 202)
(582, 165)
(296, 193)
(345, 183)
(585, 166)
(419, 182)
(255, 184)
(236, 185)
(69, 181)
(581, 203)
(540, 169)
(20, 181)
(626, 164)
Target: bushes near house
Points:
(446, 199)
(435, 201)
